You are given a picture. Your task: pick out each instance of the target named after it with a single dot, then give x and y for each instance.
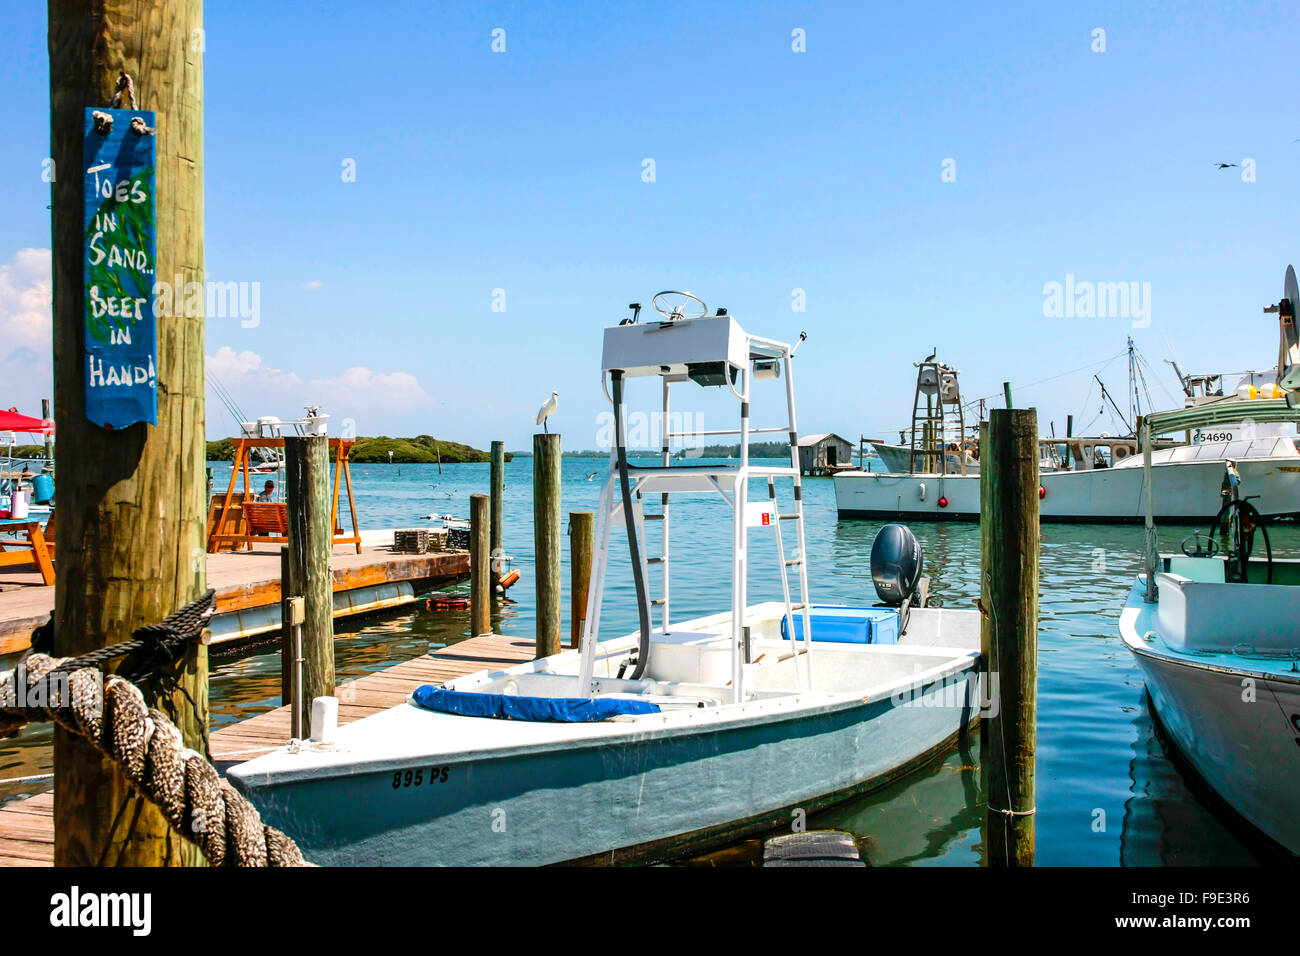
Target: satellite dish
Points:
(1288, 365)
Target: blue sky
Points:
(774, 171)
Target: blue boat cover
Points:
(567, 710)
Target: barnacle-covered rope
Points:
(110, 712)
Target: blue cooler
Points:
(847, 625)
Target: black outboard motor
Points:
(896, 562)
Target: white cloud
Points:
(26, 300)
(26, 310)
(313, 284)
(238, 368)
(357, 393)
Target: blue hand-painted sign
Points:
(121, 242)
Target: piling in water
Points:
(311, 542)
(498, 489)
(582, 541)
(546, 539)
(1009, 536)
(481, 578)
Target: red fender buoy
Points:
(510, 579)
(1042, 492)
(943, 502)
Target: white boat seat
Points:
(1223, 618)
(1205, 570)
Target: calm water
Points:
(1107, 793)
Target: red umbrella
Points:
(12, 421)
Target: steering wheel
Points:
(675, 304)
(1195, 539)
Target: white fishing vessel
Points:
(1092, 479)
(1216, 632)
(681, 734)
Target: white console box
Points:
(690, 657)
(645, 348)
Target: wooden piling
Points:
(286, 635)
(498, 489)
(582, 542)
(1006, 393)
(546, 540)
(481, 579)
(1009, 537)
(49, 439)
(311, 542)
(131, 509)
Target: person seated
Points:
(268, 492)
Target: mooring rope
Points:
(147, 746)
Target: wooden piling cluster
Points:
(1009, 537)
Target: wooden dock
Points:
(244, 581)
(27, 826)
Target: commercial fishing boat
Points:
(1215, 631)
(681, 734)
(1083, 478)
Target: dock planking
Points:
(27, 826)
(242, 579)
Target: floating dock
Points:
(248, 589)
(27, 826)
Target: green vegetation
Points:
(423, 449)
(26, 451)
(223, 450)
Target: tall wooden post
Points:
(582, 541)
(311, 542)
(481, 577)
(1006, 392)
(546, 540)
(49, 439)
(1009, 538)
(498, 488)
(130, 528)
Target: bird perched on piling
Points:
(547, 410)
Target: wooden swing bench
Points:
(238, 520)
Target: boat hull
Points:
(644, 796)
(1185, 492)
(1237, 728)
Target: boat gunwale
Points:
(652, 727)
(1135, 607)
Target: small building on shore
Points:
(824, 454)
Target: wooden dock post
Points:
(131, 510)
(49, 439)
(1006, 392)
(498, 489)
(546, 540)
(481, 578)
(311, 543)
(582, 542)
(1009, 537)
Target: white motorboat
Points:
(680, 735)
(1216, 634)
